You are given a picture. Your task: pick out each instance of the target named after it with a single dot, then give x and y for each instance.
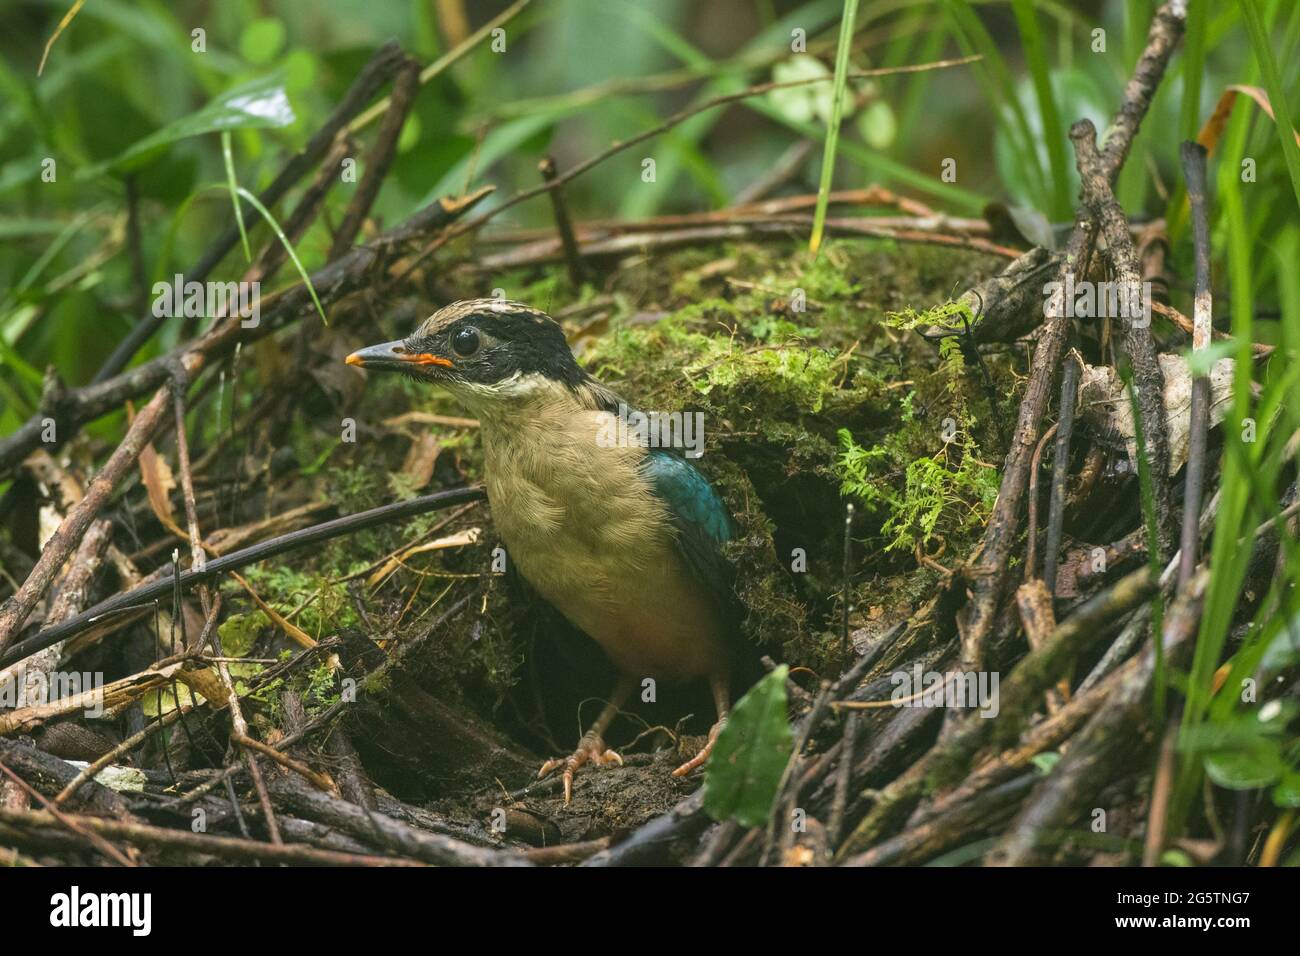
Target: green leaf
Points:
(878, 126)
(802, 104)
(1287, 792)
(1046, 761)
(1245, 770)
(262, 40)
(259, 104)
(749, 757)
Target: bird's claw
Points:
(591, 749)
(703, 755)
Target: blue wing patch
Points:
(699, 515)
(688, 494)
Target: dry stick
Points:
(91, 770)
(1148, 379)
(1061, 469)
(198, 558)
(1193, 158)
(988, 569)
(73, 591)
(320, 781)
(1161, 790)
(368, 81)
(1035, 466)
(380, 158)
(1100, 747)
(16, 609)
(572, 257)
(95, 840)
(240, 726)
(232, 848)
(774, 227)
(842, 779)
(146, 593)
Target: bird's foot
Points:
(591, 749)
(703, 755)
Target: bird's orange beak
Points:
(393, 355)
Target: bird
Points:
(623, 537)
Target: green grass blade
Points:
(1036, 58)
(833, 128)
(229, 160)
(1193, 67)
(288, 247)
(1276, 91)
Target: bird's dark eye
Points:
(466, 341)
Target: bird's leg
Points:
(721, 685)
(592, 745)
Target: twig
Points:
(562, 222)
(1148, 379)
(1035, 465)
(231, 848)
(573, 172)
(1060, 468)
(63, 819)
(318, 780)
(405, 86)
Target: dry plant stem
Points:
(1161, 791)
(63, 819)
(563, 224)
(318, 780)
(126, 746)
(14, 612)
(73, 590)
(842, 779)
(380, 158)
(917, 214)
(1148, 379)
(240, 726)
(394, 835)
(1193, 159)
(372, 76)
(1035, 468)
(1101, 746)
(229, 848)
(987, 571)
(198, 558)
(1060, 468)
